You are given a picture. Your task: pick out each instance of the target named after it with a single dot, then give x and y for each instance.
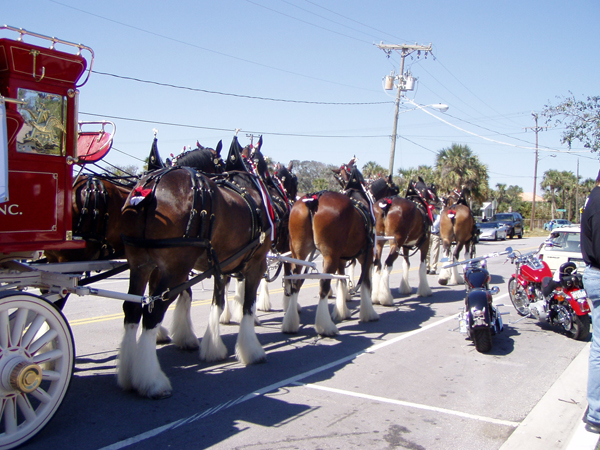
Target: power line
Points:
(206, 91)
(232, 130)
(355, 21)
(179, 41)
(306, 22)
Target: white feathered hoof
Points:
(444, 277)
(212, 347)
(424, 290)
(247, 348)
(455, 278)
(340, 310)
(225, 317)
(367, 312)
(237, 309)
(162, 337)
(264, 300)
(148, 378)
(405, 288)
(126, 358)
(291, 319)
(183, 330)
(385, 293)
(375, 280)
(323, 323)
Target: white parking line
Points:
(295, 380)
(412, 405)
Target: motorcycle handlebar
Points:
(479, 258)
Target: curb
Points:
(555, 423)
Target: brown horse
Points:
(457, 226)
(176, 220)
(408, 220)
(341, 227)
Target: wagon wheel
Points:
(37, 356)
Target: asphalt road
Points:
(409, 380)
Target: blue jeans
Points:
(591, 283)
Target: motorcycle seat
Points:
(548, 285)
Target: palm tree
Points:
(569, 186)
(373, 170)
(459, 168)
(551, 184)
(412, 174)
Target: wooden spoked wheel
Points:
(37, 356)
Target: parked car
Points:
(558, 223)
(492, 230)
(563, 245)
(514, 222)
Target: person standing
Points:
(590, 250)
(433, 254)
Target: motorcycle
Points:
(480, 319)
(534, 293)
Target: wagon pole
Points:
(404, 50)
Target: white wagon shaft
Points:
(315, 275)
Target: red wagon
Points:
(39, 134)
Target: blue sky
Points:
(307, 75)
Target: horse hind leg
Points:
(248, 349)
(291, 308)
(340, 311)
(424, 290)
(238, 300)
(183, 330)
(225, 317)
(367, 312)
(264, 299)
(405, 288)
(455, 277)
(445, 274)
(212, 347)
(323, 321)
(385, 293)
(376, 272)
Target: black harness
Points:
(203, 195)
(94, 209)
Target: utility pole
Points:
(536, 129)
(404, 50)
(577, 213)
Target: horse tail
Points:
(312, 201)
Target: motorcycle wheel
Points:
(579, 328)
(482, 338)
(518, 297)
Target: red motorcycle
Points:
(534, 293)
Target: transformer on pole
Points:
(405, 83)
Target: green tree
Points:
(373, 170)
(308, 172)
(428, 174)
(459, 168)
(581, 119)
